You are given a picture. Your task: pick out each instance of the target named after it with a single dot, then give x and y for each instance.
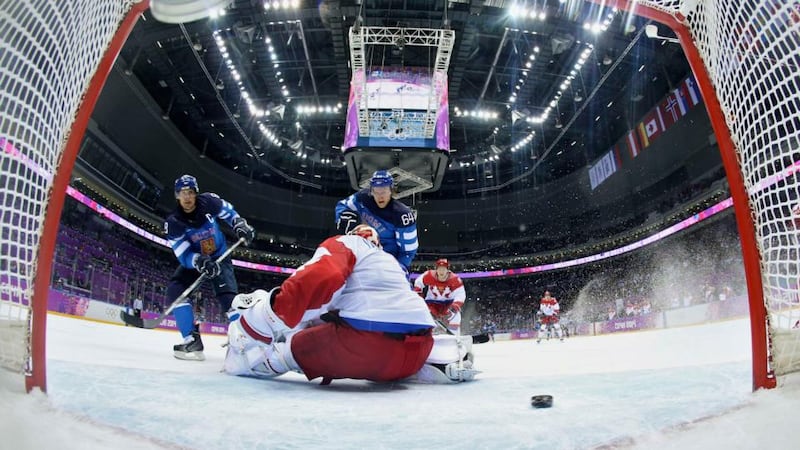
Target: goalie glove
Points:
(243, 230)
(347, 221)
(206, 265)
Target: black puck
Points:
(542, 401)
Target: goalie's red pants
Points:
(335, 350)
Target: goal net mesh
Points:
(751, 50)
(49, 51)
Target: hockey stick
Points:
(480, 338)
(149, 324)
(463, 372)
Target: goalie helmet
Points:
(381, 178)
(442, 262)
(366, 232)
(186, 182)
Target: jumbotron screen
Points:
(397, 101)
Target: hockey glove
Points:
(455, 308)
(206, 265)
(244, 230)
(347, 221)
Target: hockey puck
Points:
(542, 401)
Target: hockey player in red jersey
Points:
(346, 313)
(549, 309)
(444, 293)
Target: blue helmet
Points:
(381, 178)
(186, 182)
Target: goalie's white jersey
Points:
(363, 283)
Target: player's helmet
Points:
(442, 262)
(381, 178)
(186, 182)
(546, 293)
(366, 232)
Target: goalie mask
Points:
(366, 232)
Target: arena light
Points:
(482, 114)
(252, 107)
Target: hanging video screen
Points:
(396, 100)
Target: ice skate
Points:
(191, 349)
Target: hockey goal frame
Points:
(35, 370)
(762, 370)
(763, 373)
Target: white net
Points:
(49, 51)
(751, 50)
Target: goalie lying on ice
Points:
(346, 313)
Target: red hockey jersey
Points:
(441, 295)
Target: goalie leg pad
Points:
(251, 357)
(448, 348)
(460, 371)
(431, 374)
(445, 373)
(445, 349)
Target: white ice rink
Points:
(690, 388)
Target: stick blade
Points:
(138, 322)
(480, 338)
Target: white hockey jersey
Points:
(363, 283)
(549, 306)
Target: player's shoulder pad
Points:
(209, 197)
(208, 202)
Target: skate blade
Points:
(190, 356)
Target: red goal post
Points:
(55, 57)
(745, 55)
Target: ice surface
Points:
(115, 387)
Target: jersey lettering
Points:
(407, 218)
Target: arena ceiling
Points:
(537, 89)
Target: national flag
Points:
(632, 144)
(674, 106)
(691, 90)
(651, 127)
(678, 102)
(660, 118)
(606, 166)
(643, 135)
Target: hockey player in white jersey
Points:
(549, 308)
(346, 313)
